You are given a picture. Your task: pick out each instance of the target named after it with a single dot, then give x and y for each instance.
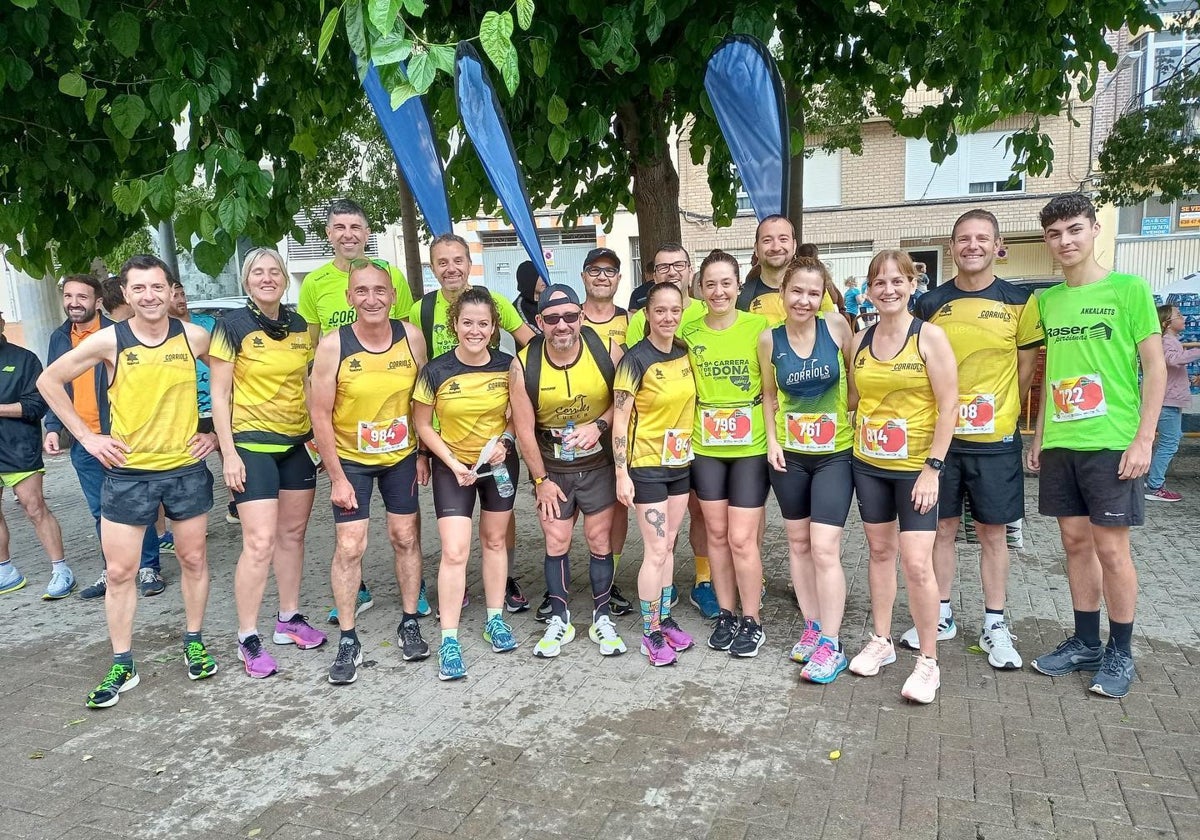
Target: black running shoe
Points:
(120, 678)
(514, 599)
(545, 610)
(725, 631)
(749, 639)
(412, 645)
(618, 604)
(344, 669)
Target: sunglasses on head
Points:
(569, 317)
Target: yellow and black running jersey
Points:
(470, 403)
(152, 399)
(986, 329)
(269, 407)
(896, 407)
(664, 399)
(372, 424)
(612, 330)
(579, 393)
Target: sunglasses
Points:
(569, 317)
(363, 262)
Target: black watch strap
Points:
(936, 463)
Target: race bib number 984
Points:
(378, 436)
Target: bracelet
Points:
(508, 440)
(425, 453)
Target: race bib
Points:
(677, 447)
(1078, 398)
(727, 426)
(883, 440)
(976, 414)
(811, 432)
(310, 447)
(378, 436)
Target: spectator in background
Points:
(529, 291)
(1178, 397)
(851, 296)
(637, 298)
(112, 298)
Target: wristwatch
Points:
(937, 463)
(602, 425)
(537, 482)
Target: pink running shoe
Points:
(675, 635)
(259, 664)
(810, 639)
(297, 631)
(877, 653)
(655, 646)
(923, 683)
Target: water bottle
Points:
(567, 451)
(503, 481)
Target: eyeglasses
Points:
(569, 317)
(601, 271)
(363, 262)
(667, 268)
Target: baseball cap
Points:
(599, 254)
(556, 295)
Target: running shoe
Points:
(704, 599)
(514, 599)
(825, 664)
(723, 633)
(558, 633)
(150, 582)
(120, 679)
(877, 653)
(466, 602)
(604, 633)
(259, 664)
(1115, 675)
(11, 579)
(923, 683)
(499, 635)
(450, 664)
(810, 640)
(97, 589)
(544, 610)
(231, 514)
(1162, 494)
(344, 669)
(656, 648)
(62, 583)
(412, 643)
(200, 663)
(998, 640)
(749, 639)
(1072, 655)
(365, 602)
(297, 631)
(947, 630)
(618, 604)
(166, 542)
(423, 608)
(675, 635)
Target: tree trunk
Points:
(411, 238)
(645, 134)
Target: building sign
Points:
(1189, 215)
(548, 256)
(1161, 225)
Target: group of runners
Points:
(709, 397)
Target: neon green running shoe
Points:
(199, 661)
(120, 678)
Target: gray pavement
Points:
(584, 747)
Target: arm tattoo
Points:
(619, 445)
(620, 398)
(657, 520)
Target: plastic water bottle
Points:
(503, 480)
(568, 451)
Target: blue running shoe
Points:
(1115, 675)
(423, 608)
(166, 543)
(499, 635)
(825, 664)
(365, 602)
(704, 599)
(120, 679)
(62, 583)
(11, 579)
(450, 664)
(1072, 655)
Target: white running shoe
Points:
(558, 633)
(947, 630)
(604, 633)
(998, 640)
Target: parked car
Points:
(216, 307)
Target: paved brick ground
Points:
(584, 747)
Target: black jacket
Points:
(60, 344)
(20, 437)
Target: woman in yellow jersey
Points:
(806, 397)
(729, 473)
(466, 389)
(907, 384)
(654, 395)
(259, 362)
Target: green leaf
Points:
(654, 28)
(305, 145)
(558, 144)
(662, 76)
(137, 191)
(415, 8)
(222, 79)
(356, 28)
(91, 102)
(127, 112)
(123, 199)
(421, 71)
(556, 111)
(125, 33)
(382, 14)
(72, 84)
(540, 51)
(328, 28)
(210, 258)
(442, 56)
(233, 211)
(401, 92)
(391, 49)
(510, 72)
(1055, 8)
(183, 167)
(70, 8)
(495, 35)
(24, 4)
(18, 72)
(524, 13)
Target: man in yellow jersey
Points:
(153, 455)
(995, 331)
(362, 381)
(774, 246)
(560, 391)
